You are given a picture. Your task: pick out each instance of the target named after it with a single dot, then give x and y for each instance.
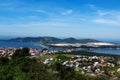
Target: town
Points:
(90, 65)
(32, 51)
(87, 65)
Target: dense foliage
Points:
(21, 67)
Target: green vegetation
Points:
(22, 67)
(21, 53)
(54, 56)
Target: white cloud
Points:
(105, 17)
(102, 13)
(92, 6)
(107, 22)
(29, 17)
(67, 12)
(50, 24)
(41, 11)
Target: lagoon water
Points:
(19, 44)
(33, 45)
(106, 51)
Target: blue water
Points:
(33, 45)
(19, 44)
(106, 51)
(117, 41)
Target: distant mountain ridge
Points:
(51, 40)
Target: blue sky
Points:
(60, 18)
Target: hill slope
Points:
(51, 40)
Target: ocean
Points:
(19, 44)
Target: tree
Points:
(62, 72)
(21, 53)
(3, 60)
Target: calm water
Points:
(19, 44)
(32, 45)
(107, 51)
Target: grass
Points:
(79, 53)
(54, 56)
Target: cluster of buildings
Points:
(90, 65)
(10, 51)
(34, 52)
(7, 51)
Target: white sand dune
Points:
(87, 44)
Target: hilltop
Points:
(51, 40)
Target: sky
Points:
(98, 19)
